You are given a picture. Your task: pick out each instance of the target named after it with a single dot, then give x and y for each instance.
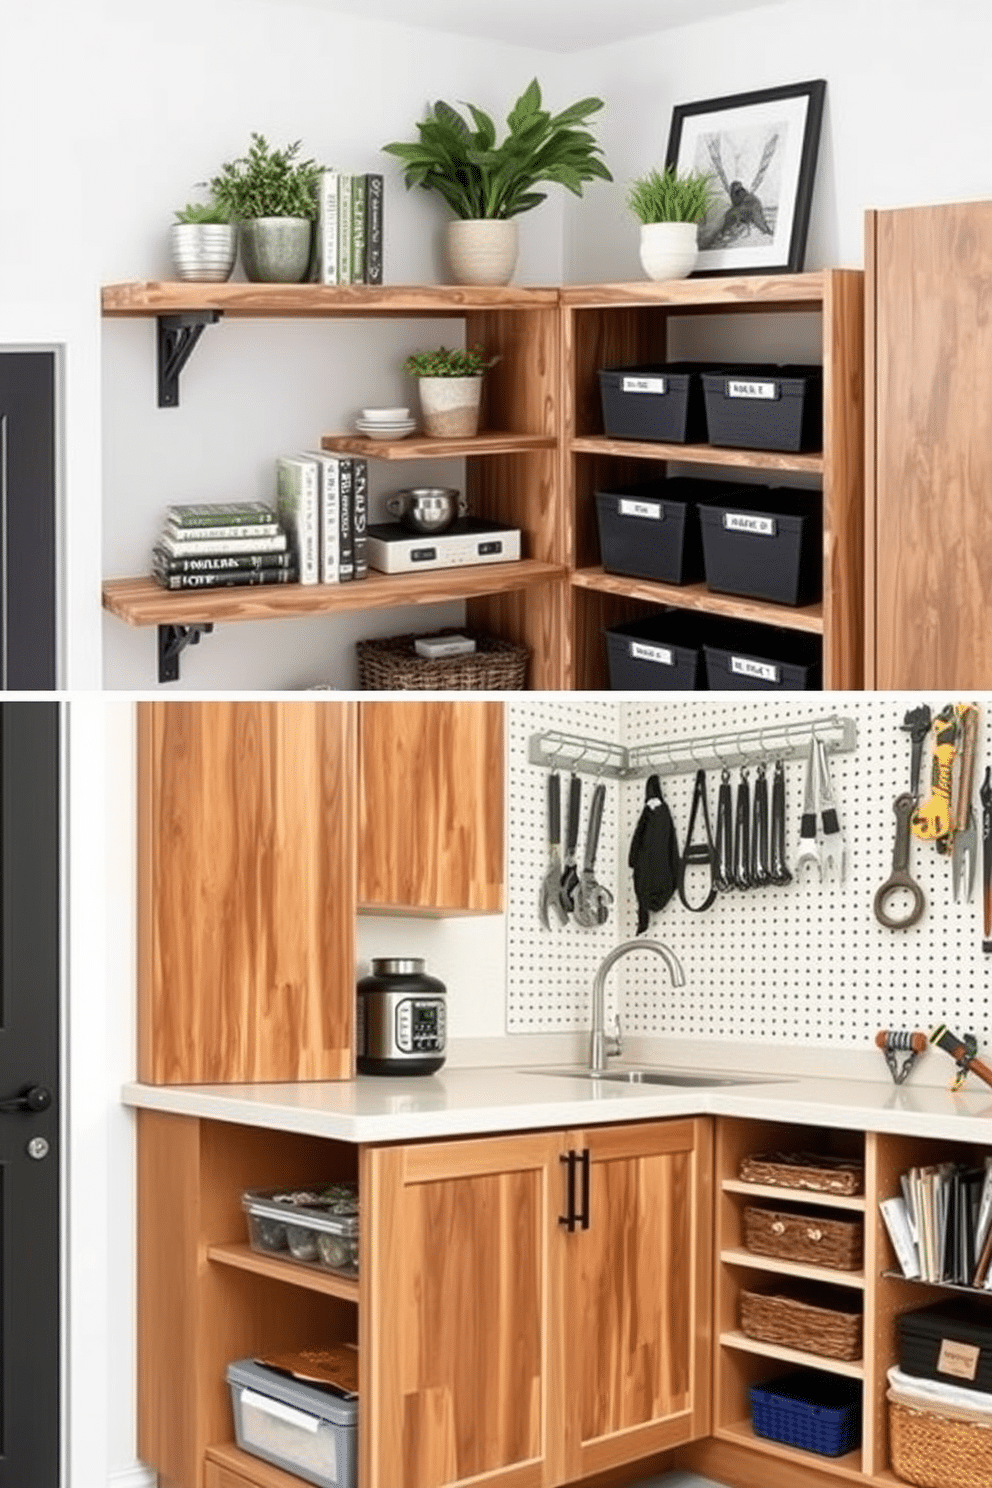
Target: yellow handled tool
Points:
(932, 820)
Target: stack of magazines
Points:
(214, 545)
(941, 1223)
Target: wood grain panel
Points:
(759, 292)
(931, 282)
(247, 859)
(746, 1462)
(227, 1467)
(159, 297)
(808, 618)
(843, 478)
(431, 806)
(702, 454)
(536, 618)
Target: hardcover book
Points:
(220, 514)
(207, 535)
(358, 230)
(328, 483)
(344, 228)
(296, 502)
(226, 580)
(374, 201)
(346, 550)
(360, 518)
(219, 563)
(198, 548)
(327, 227)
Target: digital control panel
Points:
(420, 1025)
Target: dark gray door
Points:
(29, 1095)
(28, 534)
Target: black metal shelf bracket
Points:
(172, 642)
(177, 336)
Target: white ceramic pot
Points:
(203, 251)
(276, 250)
(449, 406)
(669, 249)
(482, 250)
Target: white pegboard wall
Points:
(804, 964)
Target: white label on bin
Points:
(659, 654)
(745, 522)
(284, 1412)
(652, 509)
(642, 384)
(743, 666)
(958, 1359)
(737, 389)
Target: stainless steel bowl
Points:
(427, 508)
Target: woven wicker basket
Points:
(811, 1238)
(836, 1175)
(798, 1323)
(937, 1452)
(390, 664)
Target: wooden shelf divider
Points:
(276, 1269)
(801, 1357)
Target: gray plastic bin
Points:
(306, 1431)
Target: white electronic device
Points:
(394, 549)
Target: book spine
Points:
(346, 554)
(358, 268)
(344, 229)
(330, 537)
(373, 228)
(296, 482)
(177, 548)
(893, 1212)
(360, 518)
(227, 580)
(227, 514)
(232, 563)
(327, 227)
(207, 535)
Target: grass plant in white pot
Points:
(203, 242)
(450, 385)
(487, 186)
(670, 208)
(273, 197)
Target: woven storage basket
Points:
(798, 1323)
(836, 1175)
(390, 664)
(810, 1238)
(937, 1452)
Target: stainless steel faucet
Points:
(603, 1045)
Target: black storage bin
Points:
(742, 657)
(660, 654)
(765, 407)
(650, 530)
(764, 542)
(950, 1342)
(661, 400)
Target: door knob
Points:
(35, 1098)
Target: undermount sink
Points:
(654, 1077)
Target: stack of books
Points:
(212, 545)
(941, 1224)
(349, 228)
(322, 501)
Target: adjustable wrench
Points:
(964, 852)
(916, 723)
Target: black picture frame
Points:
(772, 135)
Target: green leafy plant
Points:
(663, 196)
(203, 212)
(268, 183)
(478, 178)
(445, 362)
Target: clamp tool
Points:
(963, 1051)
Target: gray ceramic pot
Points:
(275, 250)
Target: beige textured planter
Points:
(449, 406)
(482, 250)
(669, 249)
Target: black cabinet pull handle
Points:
(35, 1098)
(584, 1214)
(568, 1219)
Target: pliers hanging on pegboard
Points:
(821, 841)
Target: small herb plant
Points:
(203, 212)
(442, 362)
(663, 196)
(478, 178)
(268, 183)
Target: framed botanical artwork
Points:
(760, 148)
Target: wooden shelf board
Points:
(254, 1469)
(700, 454)
(737, 1340)
(296, 1274)
(795, 1195)
(140, 601)
(740, 1257)
(743, 1433)
(698, 597)
(162, 297)
(421, 447)
(742, 292)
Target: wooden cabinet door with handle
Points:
(431, 806)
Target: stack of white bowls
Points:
(385, 423)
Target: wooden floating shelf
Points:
(792, 1356)
(700, 454)
(741, 1257)
(794, 1195)
(421, 447)
(145, 297)
(245, 1467)
(141, 601)
(741, 292)
(808, 618)
(246, 1259)
(744, 1434)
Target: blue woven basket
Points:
(817, 1412)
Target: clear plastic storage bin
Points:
(318, 1226)
(298, 1427)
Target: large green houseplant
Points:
(273, 197)
(485, 182)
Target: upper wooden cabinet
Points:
(246, 886)
(929, 467)
(431, 807)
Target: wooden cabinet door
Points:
(431, 806)
(458, 1314)
(636, 1288)
(246, 891)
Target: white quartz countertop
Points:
(466, 1101)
